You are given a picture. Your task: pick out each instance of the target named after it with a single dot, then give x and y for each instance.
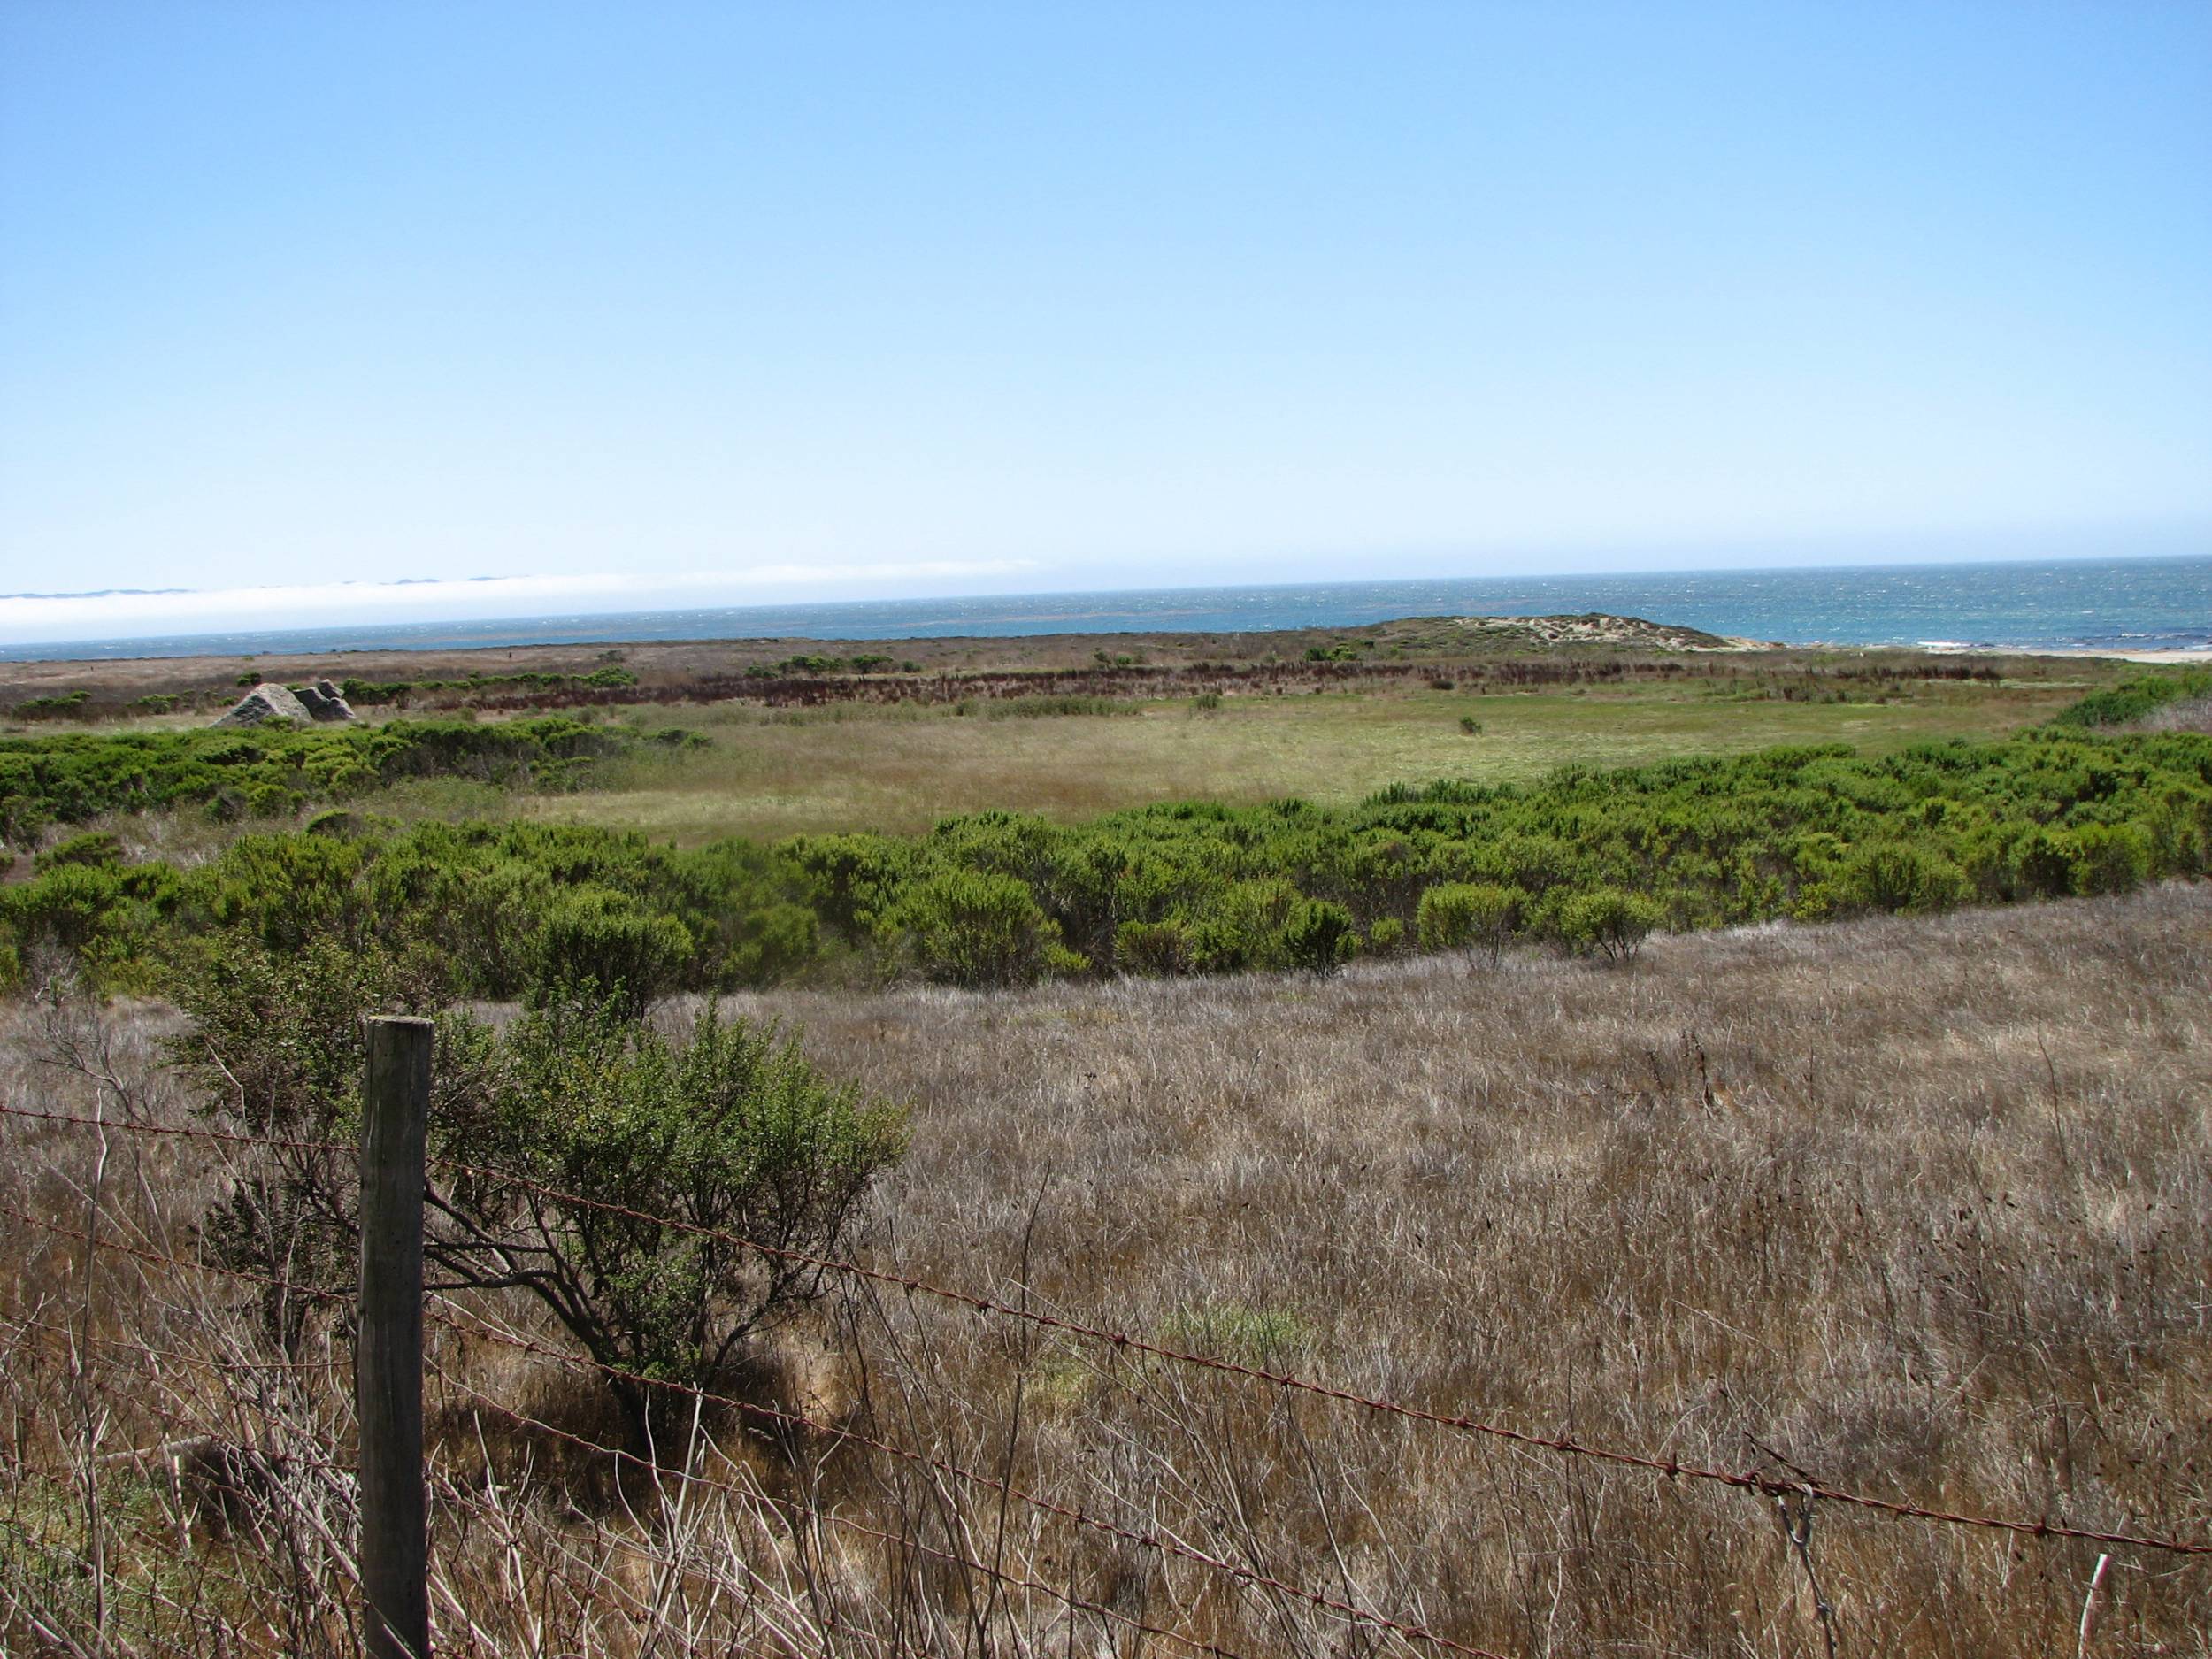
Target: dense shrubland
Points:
(814, 680)
(475, 910)
(1590, 860)
(540, 687)
(2133, 700)
(369, 692)
(273, 771)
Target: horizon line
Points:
(431, 589)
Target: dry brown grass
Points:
(1920, 1208)
(2188, 714)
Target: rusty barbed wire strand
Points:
(306, 1292)
(189, 1132)
(492, 1333)
(140, 1456)
(1564, 1445)
(1751, 1480)
(176, 1356)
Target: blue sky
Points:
(629, 305)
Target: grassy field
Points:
(1329, 715)
(1917, 1209)
(769, 774)
(113, 683)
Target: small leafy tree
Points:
(277, 1047)
(621, 1177)
(681, 1156)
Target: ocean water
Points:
(2106, 604)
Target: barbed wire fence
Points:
(695, 1548)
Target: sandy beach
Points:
(2193, 655)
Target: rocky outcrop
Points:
(323, 702)
(267, 703)
(1596, 627)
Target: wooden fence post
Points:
(388, 1352)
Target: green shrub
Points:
(593, 944)
(849, 876)
(286, 891)
(61, 706)
(727, 1135)
(975, 928)
(1154, 947)
(2131, 701)
(93, 847)
(506, 911)
(68, 906)
(617, 1176)
(2108, 857)
(67, 777)
(1607, 922)
(1318, 937)
(1901, 878)
(103, 919)
(1473, 916)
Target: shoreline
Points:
(1648, 635)
(1917, 604)
(668, 662)
(2172, 656)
